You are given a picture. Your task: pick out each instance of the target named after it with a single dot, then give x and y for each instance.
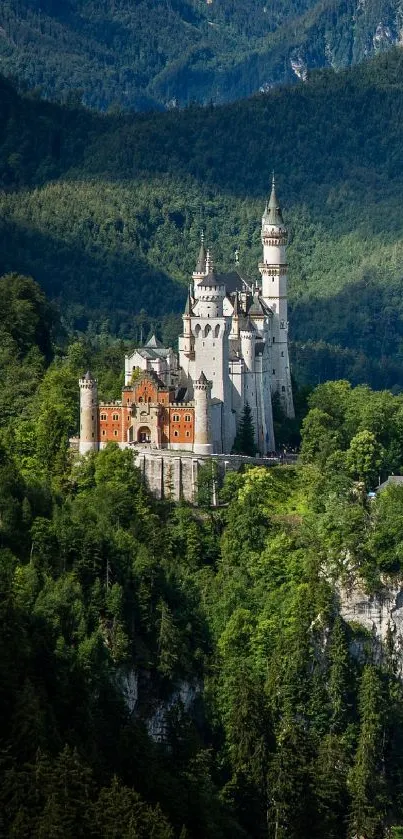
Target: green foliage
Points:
(244, 442)
(106, 211)
(367, 778)
(120, 55)
(175, 671)
(353, 430)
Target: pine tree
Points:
(244, 442)
(339, 677)
(367, 778)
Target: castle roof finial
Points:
(201, 260)
(209, 263)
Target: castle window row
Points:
(177, 418)
(104, 417)
(207, 330)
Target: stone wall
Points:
(174, 475)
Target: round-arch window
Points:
(207, 330)
(197, 329)
(217, 330)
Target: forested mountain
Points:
(156, 53)
(106, 211)
(169, 672)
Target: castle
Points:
(233, 352)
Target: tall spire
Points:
(188, 307)
(209, 263)
(273, 214)
(201, 261)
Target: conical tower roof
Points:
(188, 307)
(201, 260)
(272, 213)
(153, 342)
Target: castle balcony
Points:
(273, 270)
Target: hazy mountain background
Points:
(157, 53)
(106, 211)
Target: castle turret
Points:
(209, 292)
(274, 292)
(186, 340)
(235, 327)
(202, 398)
(248, 334)
(200, 269)
(274, 240)
(88, 414)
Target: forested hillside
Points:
(106, 211)
(186, 673)
(138, 54)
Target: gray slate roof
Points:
(392, 480)
(272, 213)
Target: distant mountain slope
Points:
(106, 211)
(152, 53)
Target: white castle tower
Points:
(203, 347)
(88, 414)
(202, 397)
(274, 292)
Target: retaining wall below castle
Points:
(174, 475)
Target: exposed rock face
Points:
(377, 613)
(299, 66)
(128, 682)
(183, 697)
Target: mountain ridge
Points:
(156, 55)
(117, 203)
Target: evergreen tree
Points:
(244, 442)
(367, 779)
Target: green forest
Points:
(147, 54)
(105, 211)
(177, 672)
(170, 671)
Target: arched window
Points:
(188, 418)
(217, 330)
(197, 329)
(115, 417)
(176, 418)
(104, 417)
(283, 389)
(207, 330)
(140, 398)
(115, 433)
